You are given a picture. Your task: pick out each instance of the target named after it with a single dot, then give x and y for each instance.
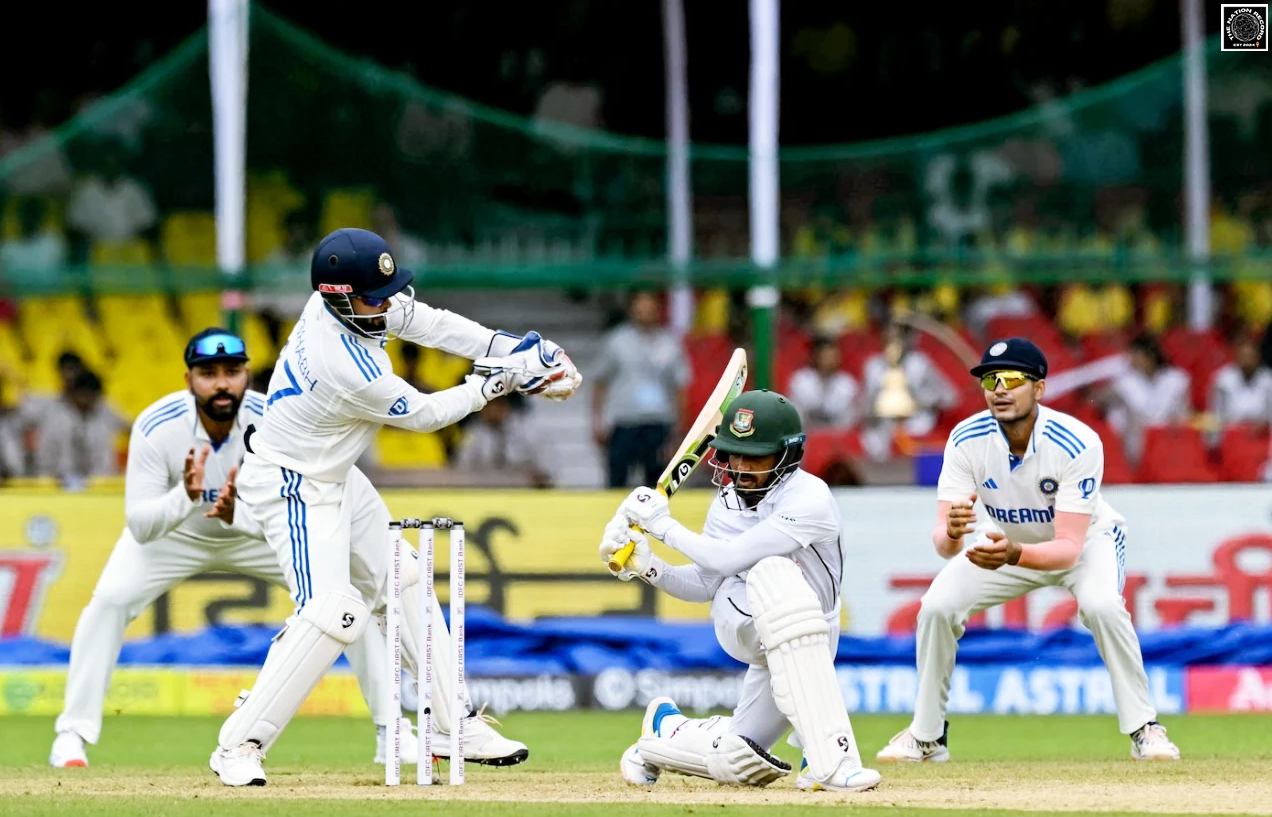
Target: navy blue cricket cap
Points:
(214, 344)
(356, 263)
(1013, 355)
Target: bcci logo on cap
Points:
(743, 424)
(1244, 27)
(386, 264)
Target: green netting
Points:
(1087, 186)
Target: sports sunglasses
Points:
(219, 345)
(1010, 380)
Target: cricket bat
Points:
(695, 444)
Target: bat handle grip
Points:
(620, 558)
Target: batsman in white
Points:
(1038, 474)
(179, 523)
(769, 560)
(332, 389)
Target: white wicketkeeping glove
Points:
(537, 363)
(648, 509)
(617, 534)
(563, 388)
(495, 382)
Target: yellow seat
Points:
(397, 448)
(133, 383)
(1253, 301)
(256, 336)
(270, 197)
(711, 312)
(189, 238)
(132, 251)
(140, 321)
(1078, 314)
(200, 310)
(845, 311)
(12, 229)
(349, 207)
(1117, 307)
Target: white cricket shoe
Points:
(68, 751)
(906, 748)
(482, 744)
(1149, 742)
(410, 743)
(658, 708)
(240, 766)
(848, 777)
(636, 771)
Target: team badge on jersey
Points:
(386, 264)
(743, 423)
(1048, 486)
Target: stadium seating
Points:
(189, 238)
(1243, 451)
(397, 448)
(1175, 454)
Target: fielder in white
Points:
(1038, 473)
(179, 524)
(769, 560)
(332, 389)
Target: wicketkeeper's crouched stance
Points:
(770, 563)
(1038, 472)
(332, 389)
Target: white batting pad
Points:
(738, 761)
(685, 750)
(796, 639)
(442, 693)
(309, 643)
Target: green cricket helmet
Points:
(756, 424)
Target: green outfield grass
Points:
(1002, 765)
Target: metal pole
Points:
(1196, 166)
(764, 298)
(679, 189)
(227, 58)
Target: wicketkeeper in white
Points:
(769, 560)
(1038, 473)
(332, 389)
(180, 524)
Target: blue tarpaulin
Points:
(589, 645)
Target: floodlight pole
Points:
(227, 67)
(763, 298)
(1196, 166)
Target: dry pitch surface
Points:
(1012, 765)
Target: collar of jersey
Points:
(1001, 437)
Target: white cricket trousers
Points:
(962, 589)
(756, 715)
(333, 537)
(135, 575)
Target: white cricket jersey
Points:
(803, 508)
(331, 391)
(1062, 470)
(156, 504)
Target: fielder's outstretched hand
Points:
(193, 472)
(224, 507)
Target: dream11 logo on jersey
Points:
(25, 577)
(1243, 27)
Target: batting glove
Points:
(648, 509)
(637, 565)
